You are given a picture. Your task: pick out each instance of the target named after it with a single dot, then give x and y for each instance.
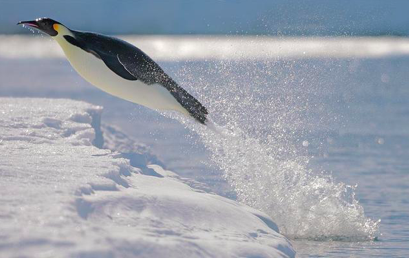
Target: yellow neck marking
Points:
(56, 27)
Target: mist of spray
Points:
(263, 111)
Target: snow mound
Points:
(62, 196)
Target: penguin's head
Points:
(45, 25)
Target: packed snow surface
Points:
(62, 196)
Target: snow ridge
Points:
(70, 187)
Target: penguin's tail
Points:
(193, 107)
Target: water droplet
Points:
(385, 78)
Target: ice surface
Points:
(63, 197)
(171, 48)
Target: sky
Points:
(258, 17)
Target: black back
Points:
(131, 63)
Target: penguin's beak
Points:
(29, 23)
(45, 25)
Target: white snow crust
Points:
(71, 188)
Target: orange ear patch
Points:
(56, 27)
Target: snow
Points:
(62, 196)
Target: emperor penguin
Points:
(121, 69)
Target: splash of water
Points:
(39, 33)
(263, 165)
(304, 204)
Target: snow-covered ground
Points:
(62, 195)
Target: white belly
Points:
(98, 74)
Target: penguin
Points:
(121, 69)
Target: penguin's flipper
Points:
(110, 59)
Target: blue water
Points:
(266, 17)
(348, 118)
